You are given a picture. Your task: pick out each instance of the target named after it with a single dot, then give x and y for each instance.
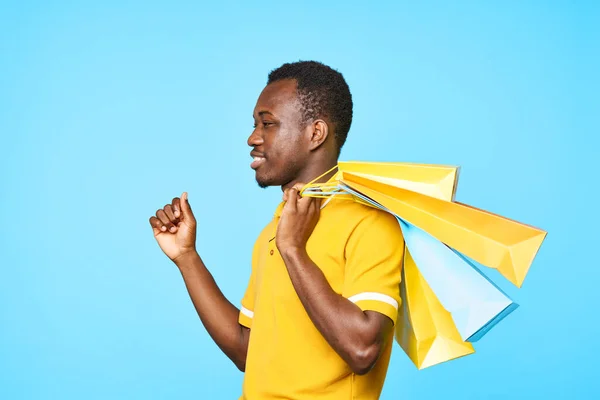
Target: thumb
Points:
(186, 209)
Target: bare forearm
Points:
(352, 333)
(219, 316)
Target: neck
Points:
(309, 174)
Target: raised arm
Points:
(358, 327)
(174, 228)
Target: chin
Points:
(267, 181)
(262, 184)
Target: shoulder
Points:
(362, 220)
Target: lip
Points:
(259, 159)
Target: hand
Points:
(174, 228)
(298, 220)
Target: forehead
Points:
(278, 98)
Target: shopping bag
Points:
(474, 302)
(434, 321)
(424, 329)
(487, 238)
(437, 181)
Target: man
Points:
(317, 318)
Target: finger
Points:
(186, 210)
(310, 205)
(318, 202)
(292, 200)
(299, 186)
(157, 226)
(317, 205)
(285, 194)
(165, 220)
(305, 203)
(169, 212)
(176, 207)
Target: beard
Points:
(274, 177)
(262, 184)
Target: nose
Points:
(255, 139)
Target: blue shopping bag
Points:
(474, 302)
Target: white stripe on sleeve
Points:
(374, 296)
(246, 312)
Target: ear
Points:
(318, 131)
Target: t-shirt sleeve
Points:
(247, 307)
(374, 254)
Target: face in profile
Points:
(280, 145)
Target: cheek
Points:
(287, 146)
(294, 144)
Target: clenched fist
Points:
(174, 228)
(298, 220)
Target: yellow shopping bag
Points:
(425, 330)
(437, 181)
(423, 195)
(489, 239)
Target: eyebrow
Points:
(261, 113)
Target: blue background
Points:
(108, 110)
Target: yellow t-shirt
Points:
(360, 250)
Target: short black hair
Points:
(322, 92)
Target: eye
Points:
(268, 123)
